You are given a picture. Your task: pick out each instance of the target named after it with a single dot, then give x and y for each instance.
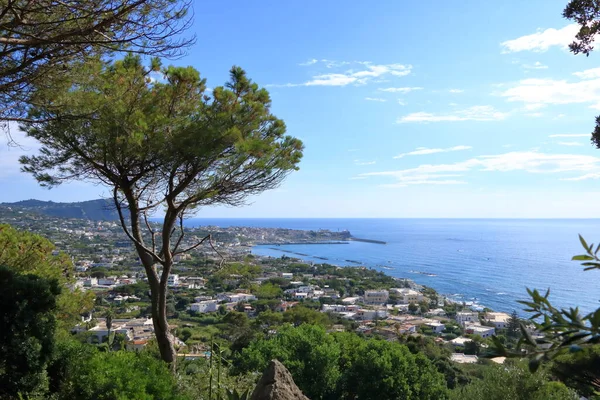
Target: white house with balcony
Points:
(465, 317)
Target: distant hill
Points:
(96, 210)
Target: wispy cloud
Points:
(593, 175)
(527, 161)
(588, 73)
(475, 113)
(309, 62)
(542, 40)
(361, 162)
(456, 91)
(420, 151)
(325, 62)
(363, 74)
(570, 143)
(375, 99)
(536, 65)
(569, 135)
(400, 89)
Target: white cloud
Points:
(528, 161)
(594, 175)
(588, 73)
(569, 135)
(570, 143)
(330, 80)
(551, 91)
(424, 151)
(456, 91)
(535, 114)
(542, 40)
(375, 99)
(401, 102)
(365, 74)
(475, 113)
(536, 65)
(400, 89)
(309, 62)
(360, 162)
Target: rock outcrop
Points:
(277, 384)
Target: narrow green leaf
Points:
(583, 243)
(582, 257)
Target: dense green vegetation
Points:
(345, 366)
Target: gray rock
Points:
(277, 384)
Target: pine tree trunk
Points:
(164, 338)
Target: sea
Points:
(484, 262)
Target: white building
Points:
(467, 317)
(369, 315)
(464, 358)
(350, 300)
(89, 282)
(479, 330)
(305, 289)
(376, 296)
(300, 296)
(498, 319)
(204, 306)
(339, 308)
(460, 341)
(239, 297)
(173, 280)
(108, 281)
(287, 275)
(436, 327)
(407, 296)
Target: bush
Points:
(83, 372)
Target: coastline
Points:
(453, 298)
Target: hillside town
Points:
(351, 298)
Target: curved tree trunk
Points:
(158, 285)
(164, 338)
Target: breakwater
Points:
(368, 240)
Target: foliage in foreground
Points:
(27, 253)
(513, 382)
(81, 371)
(346, 366)
(27, 305)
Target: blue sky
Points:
(406, 109)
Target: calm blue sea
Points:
(489, 261)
